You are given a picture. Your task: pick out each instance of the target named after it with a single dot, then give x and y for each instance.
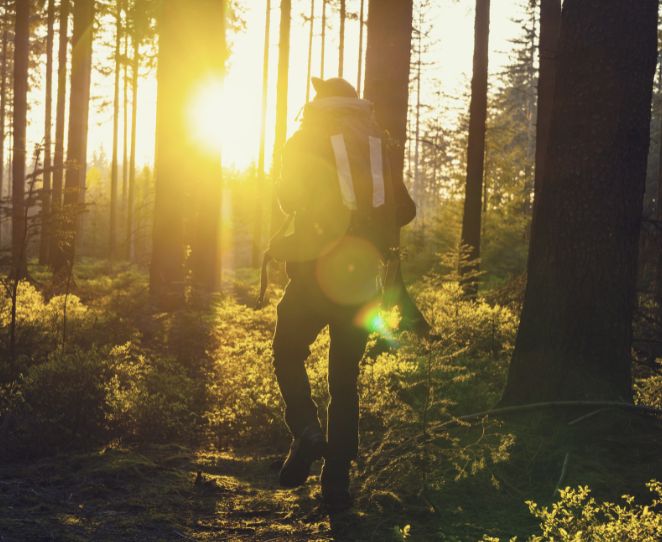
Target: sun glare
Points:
(206, 115)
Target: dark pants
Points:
(302, 313)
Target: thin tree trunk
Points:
(550, 28)
(281, 103)
(323, 39)
(135, 66)
(359, 75)
(3, 108)
(46, 225)
(60, 111)
(257, 228)
(575, 332)
(341, 45)
(74, 189)
(471, 221)
(112, 240)
(418, 189)
(125, 115)
(310, 48)
(21, 54)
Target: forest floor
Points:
(173, 493)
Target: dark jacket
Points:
(336, 172)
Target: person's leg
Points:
(348, 343)
(297, 327)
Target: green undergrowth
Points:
(108, 416)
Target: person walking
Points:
(344, 213)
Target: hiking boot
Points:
(304, 450)
(335, 486)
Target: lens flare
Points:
(375, 319)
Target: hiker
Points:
(344, 214)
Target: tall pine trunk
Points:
(359, 75)
(46, 225)
(388, 57)
(550, 28)
(341, 38)
(323, 39)
(206, 243)
(3, 109)
(575, 333)
(191, 49)
(471, 220)
(21, 53)
(259, 200)
(125, 113)
(311, 29)
(281, 103)
(112, 233)
(60, 111)
(79, 103)
(135, 66)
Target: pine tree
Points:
(471, 221)
(575, 332)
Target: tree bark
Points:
(135, 66)
(257, 225)
(191, 49)
(359, 76)
(44, 243)
(575, 334)
(79, 103)
(3, 109)
(206, 249)
(323, 39)
(388, 56)
(125, 115)
(281, 104)
(21, 54)
(112, 240)
(471, 220)
(550, 28)
(60, 106)
(310, 48)
(341, 38)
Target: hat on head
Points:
(333, 88)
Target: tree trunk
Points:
(21, 54)
(206, 249)
(310, 48)
(60, 105)
(323, 39)
(550, 28)
(576, 328)
(257, 226)
(125, 115)
(135, 66)
(79, 102)
(341, 39)
(281, 104)
(191, 48)
(3, 109)
(112, 240)
(471, 220)
(387, 64)
(44, 243)
(359, 76)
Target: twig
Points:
(564, 469)
(585, 416)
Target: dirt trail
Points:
(157, 494)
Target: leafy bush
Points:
(578, 517)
